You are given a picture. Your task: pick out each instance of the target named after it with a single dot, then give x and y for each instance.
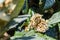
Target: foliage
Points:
(55, 19)
(9, 18)
(51, 34)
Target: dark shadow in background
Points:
(53, 32)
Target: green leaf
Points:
(49, 4)
(59, 26)
(18, 8)
(45, 37)
(23, 33)
(18, 34)
(36, 36)
(30, 33)
(55, 18)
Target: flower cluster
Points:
(5, 3)
(38, 23)
(8, 5)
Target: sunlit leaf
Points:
(32, 36)
(30, 33)
(55, 18)
(18, 8)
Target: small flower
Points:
(1, 5)
(7, 2)
(26, 29)
(42, 27)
